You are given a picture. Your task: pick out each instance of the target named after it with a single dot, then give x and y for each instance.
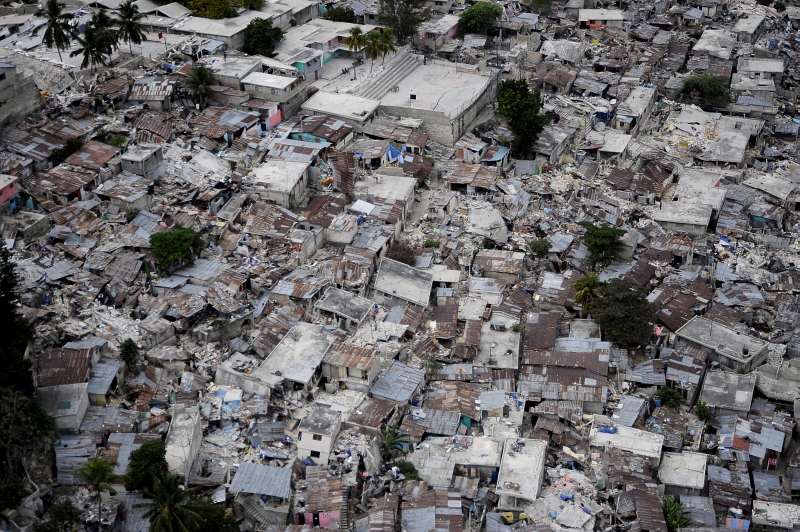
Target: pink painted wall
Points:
(8, 192)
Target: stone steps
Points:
(390, 77)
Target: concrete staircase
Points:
(400, 67)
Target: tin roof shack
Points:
(775, 516)
(730, 487)
(749, 28)
(728, 393)
(597, 18)
(264, 492)
(154, 91)
(316, 434)
(351, 367)
(104, 375)
(608, 435)
(126, 190)
(290, 93)
(344, 309)
(66, 404)
(470, 148)
(283, 182)
(499, 264)
(396, 283)
(727, 346)
(353, 110)
(93, 155)
(683, 473)
(64, 184)
(521, 473)
(146, 160)
(635, 109)
(400, 384)
(183, 440)
(298, 355)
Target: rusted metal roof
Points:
(499, 261)
(160, 127)
(64, 366)
(351, 356)
(541, 331)
(266, 219)
(93, 155)
(455, 396)
(124, 270)
(37, 146)
(371, 413)
(446, 319)
(63, 180)
(111, 87)
(325, 493)
(343, 170)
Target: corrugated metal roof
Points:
(399, 383)
(262, 480)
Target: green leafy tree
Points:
(18, 332)
(213, 517)
(373, 48)
(432, 366)
(23, 426)
(709, 91)
(391, 440)
(408, 469)
(355, 42)
(780, 7)
(214, 9)
(403, 17)
(388, 44)
(105, 31)
(57, 30)
(169, 507)
(701, 409)
(91, 47)
(587, 288)
(624, 314)
(673, 513)
(520, 107)
(540, 247)
(98, 474)
(432, 244)
(118, 141)
(147, 463)
(73, 144)
(129, 22)
(402, 252)
(341, 14)
(60, 517)
(262, 38)
(172, 246)
(128, 351)
(200, 82)
(669, 397)
(480, 16)
(603, 241)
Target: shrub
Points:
(408, 469)
(432, 244)
(669, 397)
(702, 411)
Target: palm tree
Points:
(169, 509)
(107, 35)
(390, 439)
(389, 44)
(91, 49)
(373, 48)
(200, 82)
(58, 28)
(98, 474)
(587, 288)
(355, 43)
(129, 22)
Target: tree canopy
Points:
(709, 91)
(213, 517)
(602, 241)
(540, 247)
(169, 506)
(175, 245)
(200, 81)
(403, 17)
(128, 351)
(215, 9)
(624, 314)
(262, 38)
(480, 16)
(16, 372)
(341, 14)
(23, 425)
(60, 517)
(147, 463)
(402, 252)
(57, 30)
(520, 107)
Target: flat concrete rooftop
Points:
(437, 87)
